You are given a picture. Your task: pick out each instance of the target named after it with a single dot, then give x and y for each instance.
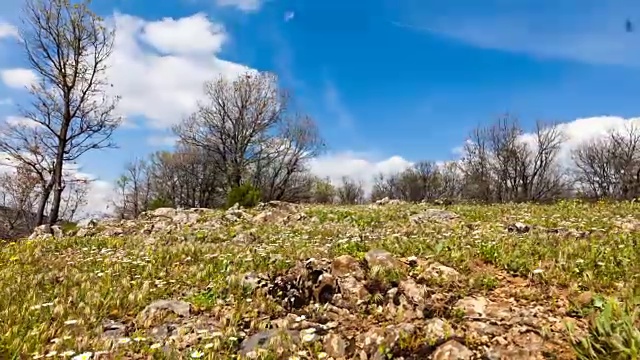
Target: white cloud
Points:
(158, 67)
(593, 33)
(244, 5)
(6, 101)
(336, 107)
(18, 78)
(21, 121)
(162, 140)
(289, 15)
(360, 167)
(166, 87)
(100, 196)
(185, 36)
(8, 30)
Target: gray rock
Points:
(452, 350)
(437, 330)
(473, 306)
(265, 339)
(347, 265)
(178, 307)
(382, 258)
(113, 329)
(335, 346)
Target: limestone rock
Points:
(452, 350)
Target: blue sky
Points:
(383, 78)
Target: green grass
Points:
(83, 281)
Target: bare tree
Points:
(235, 122)
(609, 166)
(281, 170)
(74, 197)
(350, 191)
(501, 164)
(68, 47)
(18, 194)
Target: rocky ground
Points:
(284, 281)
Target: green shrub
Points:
(159, 203)
(246, 195)
(613, 333)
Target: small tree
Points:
(67, 46)
(350, 191)
(245, 195)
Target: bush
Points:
(159, 203)
(246, 195)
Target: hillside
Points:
(367, 282)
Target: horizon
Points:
(389, 83)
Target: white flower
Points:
(538, 271)
(322, 355)
(138, 339)
(300, 318)
(68, 353)
(412, 259)
(155, 346)
(208, 346)
(71, 322)
(84, 356)
(232, 338)
(197, 354)
(124, 341)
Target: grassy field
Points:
(572, 271)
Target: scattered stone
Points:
(437, 330)
(352, 289)
(180, 308)
(474, 307)
(387, 201)
(335, 346)
(518, 227)
(347, 265)
(437, 270)
(452, 350)
(381, 258)
(437, 215)
(268, 339)
(113, 329)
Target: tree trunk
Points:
(44, 198)
(57, 181)
(57, 195)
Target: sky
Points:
(389, 82)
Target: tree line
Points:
(500, 162)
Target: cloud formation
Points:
(158, 67)
(7, 30)
(244, 5)
(589, 31)
(358, 166)
(18, 78)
